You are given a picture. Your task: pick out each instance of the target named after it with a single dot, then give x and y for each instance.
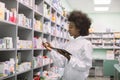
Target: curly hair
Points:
(81, 21)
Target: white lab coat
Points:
(77, 68)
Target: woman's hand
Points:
(62, 52)
(47, 46)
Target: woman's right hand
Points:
(47, 45)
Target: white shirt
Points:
(77, 68)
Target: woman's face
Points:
(73, 31)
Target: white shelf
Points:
(23, 27)
(7, 22)
(24, 30)
(6, 77)
(23, 71)
(8, 49)
(24, 49)
(104, 40)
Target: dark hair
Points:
(81, 21)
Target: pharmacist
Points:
(79, 61)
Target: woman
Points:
(79, 61)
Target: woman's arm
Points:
(58, 59)
(61, 51)
(86, 62)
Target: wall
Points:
(65, 4)
(101, 21)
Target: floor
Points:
(98, 78)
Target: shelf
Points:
(24, 49)
(38, 31)
(38, 13)
(46, 18)
(38, 49)
(23, 27)
(26, 32)
(5, 77)
(18, 73)
(103, 48)
(13, 49)
(105, 39)
(108, 37)
(7, 23)
(96, 37)
(38, 67)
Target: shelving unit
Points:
(105, 45)
(105, 41)
(25, 23)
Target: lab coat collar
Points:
(80, 37)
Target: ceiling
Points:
(88, 6)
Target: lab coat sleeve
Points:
(86, 62)
(58, 59)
